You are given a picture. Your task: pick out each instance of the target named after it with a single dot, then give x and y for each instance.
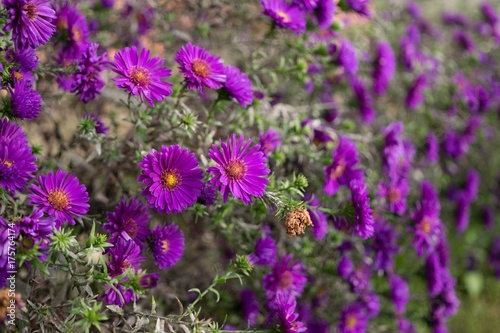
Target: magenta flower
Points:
(343, 168)
(323, 13)
(318, 218)
(125, 254)
(395, 193)
(140, 75)
(284, 313)
(86, 82)
(129, 221)
(61, 196)
(415, 95)
(100, 128)
(285, 278)
(400, 293)
(10, 130)
(238, 86)
(30, 21)
(363, 223)
(240, 169)
(265, 252)
(173, 179)
(285, 15)
(72, 32)
(353, 319)
(17, 163)
(25, 102)
(249, 306)
(167, 245)
(384, 67)
(200, 68)
(269, 141)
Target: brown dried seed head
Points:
(6, 300)
(296, 222)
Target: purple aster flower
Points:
(100, 128)
(120, 297)
(17, 164)
(167, 245)
(60, 195)
(434, 273)
(343, 168)
(359, 6)
(448, 297)
(140, 75)
(317, 326)
(306, 5)
(463, 212)
(455, 144)
(364, 100)
(36, 226)
(345, 267)
(265, 252)
(200, 68)
(240, 169)
(490, 15)
(384, 246)
(409, 52)
(72, 32)
(318, 218)
(415, 95)
(360, 279)
(25, 102)
(323, 13)
(285, 15)
(395, 193)
(405, 326)
(12, 131)
(472, 185)
(284, 312)
(453, 18)
(269, 141)
(238, 86)
(400, 293)
(285, 278)
(250, 306)
(363, 214)
(371, 302)
(208, 194)
(148, 281)
(347, 57)
(432, 148)
(30, 22)
(173, 179)
(25, 58)
(125, 254)
(86, 82)
(353, 319)
(129, 221)
(464, 40)
(428, 228)
(384, 68)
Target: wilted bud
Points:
(296, 222)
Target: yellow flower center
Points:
(338, 171)
(77, 34)
(18, 76)
(283, 15)
(31, 10)
(236, 169)
(425, 225)
(201, 68)
(351, 321)
(58, 199)
(164, 246)
(171, 179)
(8, 163)
(139, 76)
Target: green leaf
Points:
(38, 264)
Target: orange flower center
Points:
(77, 34)
(125, 264)
(283, 15)
(201, 68)
(164, 246)
(132, 232)
(171, 179)
(31, 10)
(394, 195)
(139, 76)
(286, 280)
(58, 199)
(338, 171)
(425, 225)
(351, 321)
(236, 169)
(18, 76)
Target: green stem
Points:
(181, 93)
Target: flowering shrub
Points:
(331, 157)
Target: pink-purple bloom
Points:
(100, 128)
(285, 15)
(123, 255)
(86, 82)
(415, 95)
(395, 193)
(265, 253)
(400, 293)
(363, 223)
(238, 86)
(250, 306)
(363, 99)
(17, 163)
(25, 102)
(30, 21)
(240, 169)
(286, 277)
(200, 68)
(72, 32)
(343, 168)
(60, 195)
(353, 319)
(141, 75)
(384, 67)
(172, 178)
(167, 245)
(269, 141)
(283, 307)
(129, 221)
(318, 218)
(323, 13)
